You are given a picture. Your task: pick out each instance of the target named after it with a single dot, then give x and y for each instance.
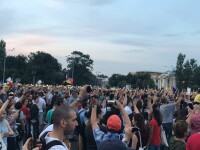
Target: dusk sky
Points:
(121, 36)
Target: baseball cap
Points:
(114, 123)
(113, 144)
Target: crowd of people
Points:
(86, 118)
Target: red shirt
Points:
(155, 139)
(26, 111)
(193, 142)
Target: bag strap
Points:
(53, 143)
(140, 139)
(50, 144)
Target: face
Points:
(133, 122)
(26, 102)
(11, 110)
(70, 124)
(3, 115)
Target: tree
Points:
(81, 68)
(45, 66)
(2, 55)
(179, 70)
(16, 66)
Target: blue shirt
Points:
(100, 136)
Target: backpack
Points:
(50, 144)
(20, 130)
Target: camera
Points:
(110, 103)
(89, 89)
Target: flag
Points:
(69, 81)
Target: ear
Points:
(63, 123)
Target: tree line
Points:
(187, 73)
(43, 66)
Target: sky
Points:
(121, 36)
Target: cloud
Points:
(134, 51)
(173, 34)
(133, 42)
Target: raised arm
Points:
(124, 114)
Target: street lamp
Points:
(4, 64)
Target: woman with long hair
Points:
(138, 121)
(154, 140)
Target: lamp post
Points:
(4, 64)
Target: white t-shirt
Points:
(49, 139)
(40, 104)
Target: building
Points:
(164, 80)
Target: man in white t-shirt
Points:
(41, 106)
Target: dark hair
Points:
(156, 114)
(180, 127)
(139, 105)
(18, 105)
(88, 114)
(62, 112)
(35, 96)
(8, 107)
(139, 121)
(58, 101)
(164, 100)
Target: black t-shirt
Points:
(91, 144)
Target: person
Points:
(27, 115)
(35, 114)
(5, 129)
(11, 118)
(194, 118)
(167, 110)
(90, 141)
(138, 121)
(154, 139)
(41, 106)
(177, 142)
(193, 142)
(57, 103)
(73, 96)
(113, 124)
(113, 144)
(197, 97)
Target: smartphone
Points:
(135, 129)
(89, 89)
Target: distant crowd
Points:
(96, 118)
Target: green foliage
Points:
(141, 80)
(81, 68)
(2, 56)
(187, 72)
